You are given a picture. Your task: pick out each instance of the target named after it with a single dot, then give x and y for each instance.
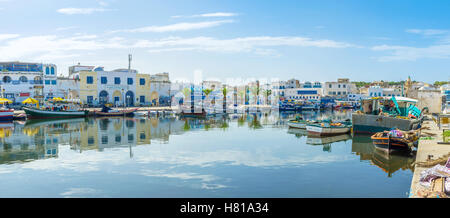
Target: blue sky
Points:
(308, 40)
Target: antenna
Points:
(129, 62)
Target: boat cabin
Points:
(394, 106)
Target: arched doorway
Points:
(103, 97)
(129, 98)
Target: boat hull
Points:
(298, 125)
(383, 143)
(369, 124)
(6, 115)
(41, 114)
(115, 114)
(326, 131)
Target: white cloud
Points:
(8, 36)
(216, 14)
(257, 45)
(55, 47)
(177, 27)
(72, 11)
(413, 53)
(427, 32)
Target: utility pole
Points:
(129, 62)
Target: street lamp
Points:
(123, 96)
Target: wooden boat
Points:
(327, 128)
(35, 113)
(297, 123)
(388, 140)
(128, 112)
(6, 114)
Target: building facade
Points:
(339, 89)
(20, 80)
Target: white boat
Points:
(327, 129)
(300, 124)
(141, 113)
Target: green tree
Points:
(267, 93)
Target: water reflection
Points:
(389, 163)
(40, 139)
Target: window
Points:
(117, 80)
(141, 81)
(105, 139)
(91, 140)
(89, 80)
(47, 70)
(104, 80)
(118, 138)
(23, 79)
(116, 99)
(343, 85)
(53, 82)
(90, 99)
(47, 82)
(329, 86)
(339, 86)
(130, 138)
(142, 135)
(52, 71)
(130, 81)
(6, 79)
(142, 98)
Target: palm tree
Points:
(224, 92)
(255, 91)
(241, 94)
(206, 92)
(266, 93)
(186, 92)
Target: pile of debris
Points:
(436, 180)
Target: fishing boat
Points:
(107, 111)
(385, 113)
(6, 114)
(327, 128)
(35, 113)
(298, 122)
(395, 140)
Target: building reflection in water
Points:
(39, 139)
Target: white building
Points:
(304, 94)
(160, 89)
(112, 85)
(20, 80)
(339, 89)
(375, 91)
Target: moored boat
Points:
(324, 128)
(298, 122)
(6, 114)
(395, 140)
(35, 113)
(383, 113)
(126, 112)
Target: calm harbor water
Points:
(234, 156)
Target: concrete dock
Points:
(426, 148)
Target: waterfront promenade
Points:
(426, 148)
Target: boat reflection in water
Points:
(327, 141)
(297, 132)
(389, 163)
